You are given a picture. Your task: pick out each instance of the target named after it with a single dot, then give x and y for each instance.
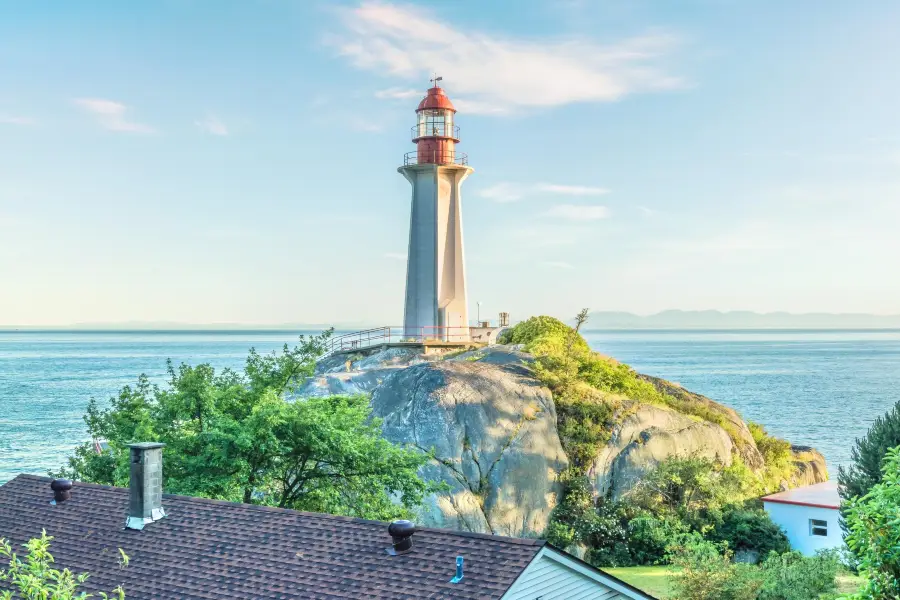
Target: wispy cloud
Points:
(395, 256)
(578, 212)
(12, 120)
(647, 211)
(511, 192)
(572, 190)
(111, 115)
(496, 74)
(503, 192)
(398, 93)
(212, 125)
(555, 264)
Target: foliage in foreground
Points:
(34, 578)
(707, 572)
(233, 436)
(873, 524)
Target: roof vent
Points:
(145, 487)
(459, 571)
(401, 533)
(62, 490)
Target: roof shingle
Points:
(211, 549)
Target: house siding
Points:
(794, 519)
(548, 579)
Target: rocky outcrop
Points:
(745, 446)
(809, 466)
(647, 436)
(491, 431)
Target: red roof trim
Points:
(798, 503)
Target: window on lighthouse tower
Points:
(436, 122)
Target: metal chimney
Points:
(145, 488)
(401, 533)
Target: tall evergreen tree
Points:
(868, 455)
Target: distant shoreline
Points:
(313, 330)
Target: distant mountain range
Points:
(175, 326)
(739, 319)
(668, 319)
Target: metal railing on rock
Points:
(397, 334)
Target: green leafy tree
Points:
(235, 436)
(868, 455)
(748, 529)
(873, 524)
(34, 578)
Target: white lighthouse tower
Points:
(436, 306)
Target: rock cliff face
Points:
(492, 432)
(491, 429)
(646, 437)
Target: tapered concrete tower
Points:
(436, 306)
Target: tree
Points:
(873, 525)
(235, 436)
(35, 579)
(868, 454)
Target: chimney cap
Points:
(62, 490)
(61, 485)
(401, 533)
(147, 445)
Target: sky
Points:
(235, 161)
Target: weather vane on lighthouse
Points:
(436, 304)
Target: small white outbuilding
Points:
(810, 516)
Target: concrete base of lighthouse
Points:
(436, 304)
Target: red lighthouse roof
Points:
(436, 98)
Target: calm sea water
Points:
(817, 388)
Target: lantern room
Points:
(434, 133)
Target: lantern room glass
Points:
(435, 122)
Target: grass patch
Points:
(655, 581)
(848, 583)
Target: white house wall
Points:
(554, 576)
(794, 519)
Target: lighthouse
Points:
(436, 306)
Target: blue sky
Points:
(235, 161)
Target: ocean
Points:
(818, 388)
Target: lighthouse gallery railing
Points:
(436, 157)
(396, 334)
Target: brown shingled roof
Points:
(210, 549)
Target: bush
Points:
(791, 576)
(873, 524)
(868, 455)
(708, 573)
(650, 537)
(749, 530)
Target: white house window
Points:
(818, 527)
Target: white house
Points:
(809, 515)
